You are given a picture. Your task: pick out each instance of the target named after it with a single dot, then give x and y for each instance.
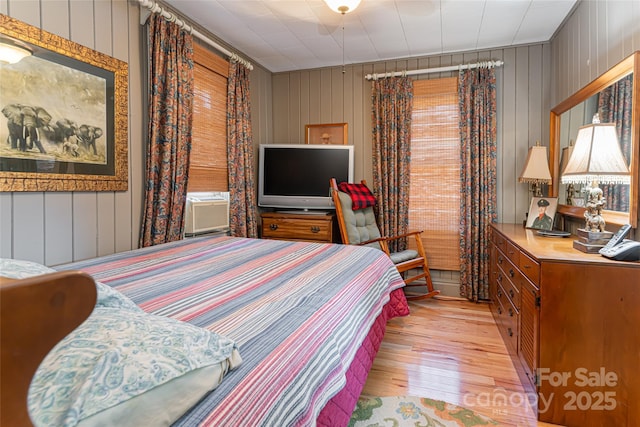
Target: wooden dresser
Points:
(300, 227)
(571, 322)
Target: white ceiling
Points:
(285, 35)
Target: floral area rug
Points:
(398, 411)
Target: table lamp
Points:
(536, 169)
(596, 158)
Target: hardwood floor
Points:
(451, 350)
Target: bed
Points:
(300, 324)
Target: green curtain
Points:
(169, 143)
(243, 208)
(477, 100)
(392, 107)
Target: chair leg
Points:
(425, 274)
(414, 297)
(431, 292)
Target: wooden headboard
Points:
(35, 314)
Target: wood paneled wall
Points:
(55, 228)
(328, 96)
(60, 227)
(596, 36)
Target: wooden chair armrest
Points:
(416, 234)
(401, 236)
(379, 239)
(35, 314)
(388, 238)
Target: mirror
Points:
(578, 110)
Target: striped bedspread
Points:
(298, 311)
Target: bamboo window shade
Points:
(208, 161)
(434, 199)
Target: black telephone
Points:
(620, 249)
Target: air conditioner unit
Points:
(203, 216)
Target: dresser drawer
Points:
(507, 306)
(499, 240)
(512, 252)
(530, 267)
(297, 229)
(508, 319)
(509, 277)
(501, 258)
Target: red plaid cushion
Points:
(360, 195)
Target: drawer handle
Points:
(499, 278)
(510, 332)
(511, 273)
(512, 293)
(273, 226)
(499, 294)
(526, 266)
(315, 229)
(499, 260)
(499, 310)
(510, 312)
(511, 252)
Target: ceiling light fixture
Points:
(342, 6)
(12, 52)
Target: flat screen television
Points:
(296, 176)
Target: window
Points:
(435, 170)
(208, 163)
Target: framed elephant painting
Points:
(64, 121)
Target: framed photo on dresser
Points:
(542, 213)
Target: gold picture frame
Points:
(330, 133)
(64, 115)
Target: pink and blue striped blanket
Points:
(300, 313)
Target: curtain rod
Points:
(435, 70)
(154, 7)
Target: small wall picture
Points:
(542, 212)
(329, 133)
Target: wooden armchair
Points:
(359, 227)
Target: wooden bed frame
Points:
(35, 314)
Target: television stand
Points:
(305, 212)
(303, 226)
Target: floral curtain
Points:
(392, 107)
(614, 106)
(242, 190)
(170, 118)
(477, 100)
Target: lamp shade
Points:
(566, 155)
(596, 157)
(11, 52)
(342, 6)
(536, 169)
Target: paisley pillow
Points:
(128, 368)
(107, 296)
(20, 269)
